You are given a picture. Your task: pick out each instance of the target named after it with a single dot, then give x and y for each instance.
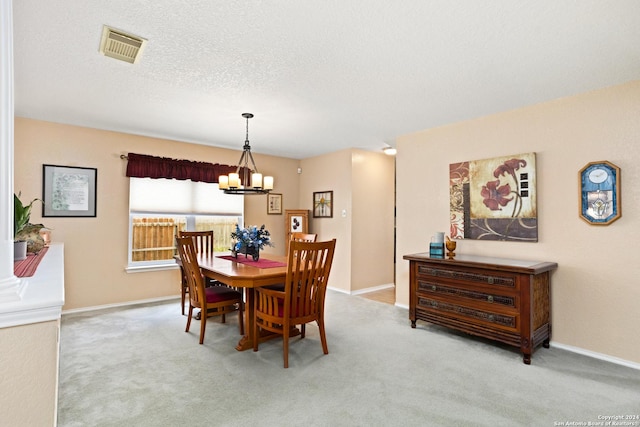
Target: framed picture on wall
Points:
(600, 193)
(297, 221)
(494, 199)
(69, 191)
(323, 204)
(274, 204)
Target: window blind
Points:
(176, 196)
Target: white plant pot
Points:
(20, 250)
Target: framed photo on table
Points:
(274, 204)
(323, 204)
(69, 191)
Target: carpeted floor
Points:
(137, 367)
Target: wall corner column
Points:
(10, 286)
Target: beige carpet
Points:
(137, 367)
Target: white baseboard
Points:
(150, 300)
(595, 355)
(372, 289)
(342, 291)
(120, 304)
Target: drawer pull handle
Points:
(490, 298)
(433, 287)
(490, 280)
(491, 318)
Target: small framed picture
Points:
(323, 204)
(69, 191)
(274, 204)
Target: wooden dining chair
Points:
(295, 237)
(302, 300)
(213, 300)
(203, 241)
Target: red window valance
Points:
(144, 166)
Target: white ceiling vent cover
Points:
(121, 45)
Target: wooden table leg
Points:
(246, 342)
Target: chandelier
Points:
(251, 178)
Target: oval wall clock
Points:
(600, 193)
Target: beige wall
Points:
(28, 374)
(96, 248)
(596, 289)
(331, 172)
(373, 204)
(362, 185)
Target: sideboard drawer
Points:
(507, 300)
(474, 277)
(490, 318)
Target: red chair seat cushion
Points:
(221, 293)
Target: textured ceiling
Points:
(319, 75)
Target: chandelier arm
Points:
(242, 162)
(255, 168)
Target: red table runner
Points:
(261, 263)
(27, 267)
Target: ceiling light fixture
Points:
(389, 150)
(232, 183)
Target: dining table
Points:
(241, 272)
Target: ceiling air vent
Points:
(120, 45)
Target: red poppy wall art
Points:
(494, 199)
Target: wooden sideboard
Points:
(501, 299)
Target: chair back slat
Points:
(203, 240)
(301, 237)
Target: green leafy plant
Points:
(21, 214)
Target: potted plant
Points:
(26, 236)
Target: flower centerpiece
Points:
(250, 240)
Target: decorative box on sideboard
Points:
(505, 300)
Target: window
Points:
(159, 208)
